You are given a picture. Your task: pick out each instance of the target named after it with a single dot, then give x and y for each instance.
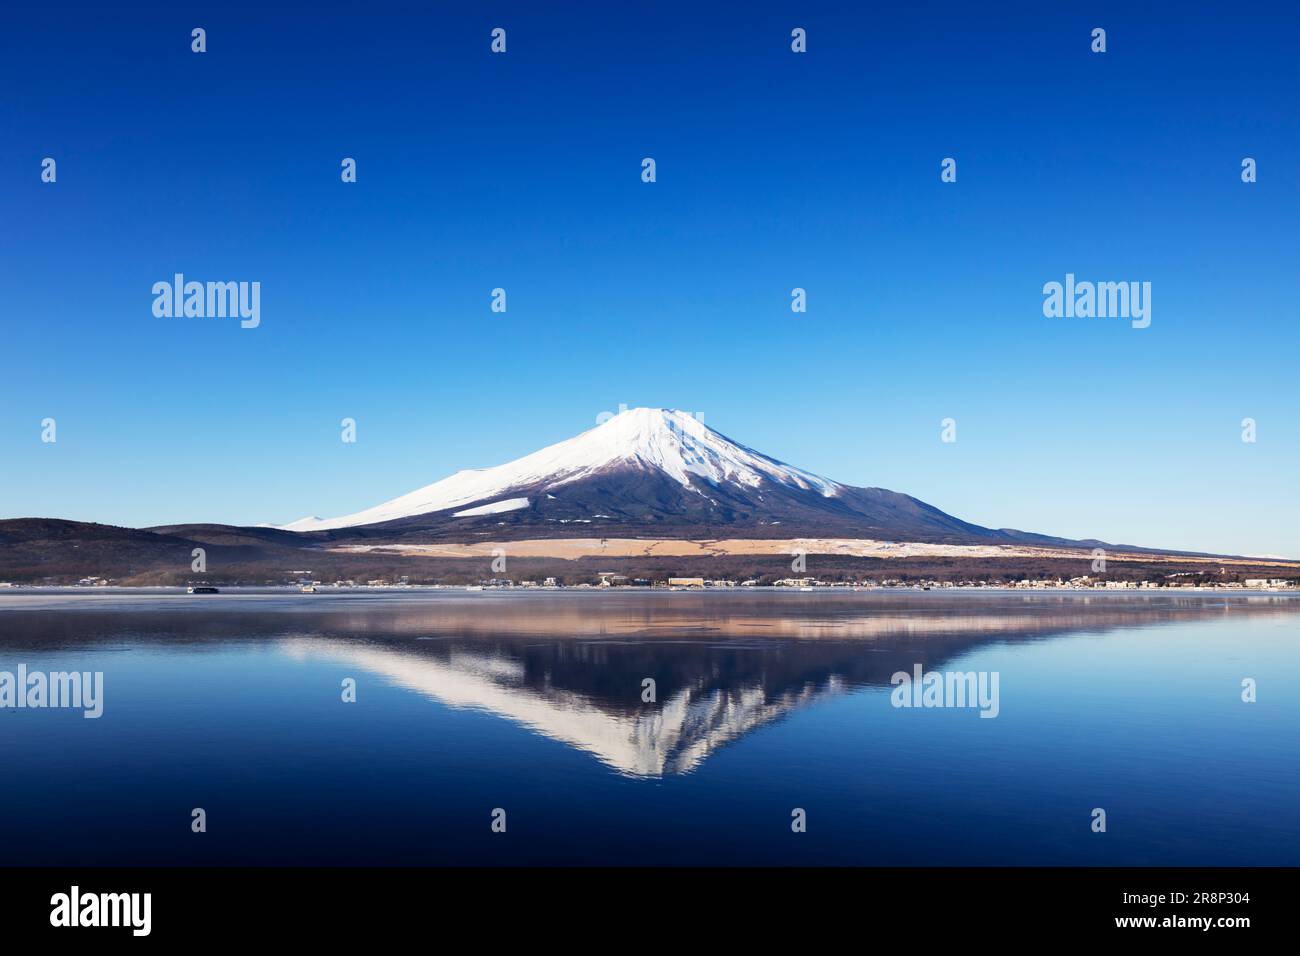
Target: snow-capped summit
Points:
(674, 443)
(656, 472)
(679, 445)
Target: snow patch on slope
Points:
(495, 508)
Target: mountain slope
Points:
(653, 471)
(670, 443)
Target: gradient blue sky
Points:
(775, 170)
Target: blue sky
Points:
(775, 170)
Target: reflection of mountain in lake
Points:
(571, 665)
(473, 700)
(721, 669)
(668, 737)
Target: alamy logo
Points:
(103, 909)
(946, 689)
(213, 300)
(1102, 300)
(82, 690)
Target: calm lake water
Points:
(766, 702)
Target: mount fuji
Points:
(650, 493)
(661, 472)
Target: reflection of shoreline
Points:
(779, 613)
(522, 605)
(864, 616)
(618, 615)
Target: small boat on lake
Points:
(201, 589)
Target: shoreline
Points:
(326, 589)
